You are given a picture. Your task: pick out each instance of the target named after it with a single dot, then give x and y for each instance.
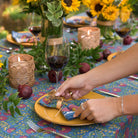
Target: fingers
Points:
(62, 88)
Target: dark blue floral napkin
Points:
(22, 37)
(67, 107)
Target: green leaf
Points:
(17, 111)
(12, 110)
(13, 97)
(5, 105)
(17, 101)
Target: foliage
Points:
(3, 33)
(15, 12)
(77, 55)
(8, 103)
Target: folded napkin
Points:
(22, 37)
(67, 107)
(78, 21)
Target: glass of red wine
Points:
(57, 54)
(35, 26)
(123, 28)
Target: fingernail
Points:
(74, 115)
(57, 94)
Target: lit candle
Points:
(21, 70)
(89, 37)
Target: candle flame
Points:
(88, 32)
(19, 59)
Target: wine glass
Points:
(35, 26)
(57, 54)
(123, 28)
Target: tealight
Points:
(89, 37)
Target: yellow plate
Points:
(49, 113)
(111, 56)
(11, 40)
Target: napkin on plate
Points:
(22, 37)
(67, 107)
(78, 21)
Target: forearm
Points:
(122, 66)
(130, 105)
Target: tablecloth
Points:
(125, 126)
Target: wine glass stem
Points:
(57, 74)
(122, 42)
(35, 40)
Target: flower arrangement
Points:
(110, 10)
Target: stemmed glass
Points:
(123, 28)
(35, 25)
(57, 54)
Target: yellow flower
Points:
(87, 2)
(1, 64)
(110, 13)
(1, 56)
(96, 8)
(125, 13)
(28, 1)
(15, 2)
(122, 3)
(107, 1)
(70, 5)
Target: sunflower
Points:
(125, 13)
(107, 1)
(1, 64)
(70, 5)
(15, 2)
(96, 8)
(87, 2)
(28, 1)
(110, 13)
(122, 3)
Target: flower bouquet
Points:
(107, 11)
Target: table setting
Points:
(35, 62)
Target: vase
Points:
(106, 28)
(48, 29)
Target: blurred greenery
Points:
(15, 12)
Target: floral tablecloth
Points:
(125, 126)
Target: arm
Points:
(122, 66)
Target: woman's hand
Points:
(100, 110)
(74, 87)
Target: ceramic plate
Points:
(113, 55)
(48, 114)
(11, 40)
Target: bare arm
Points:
(122, 66)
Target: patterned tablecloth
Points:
(125, 126)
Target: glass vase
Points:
(48, 29)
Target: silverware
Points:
(111, 94)
(36, 128)
(133, 77)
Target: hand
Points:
(100, 110)
(74, 87)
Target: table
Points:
(125, 126)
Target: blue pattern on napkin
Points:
(67, 108)
(22, 37)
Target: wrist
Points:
(119, 108)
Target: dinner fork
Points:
(36, 128)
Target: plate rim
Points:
(64, 124)
(11, 40)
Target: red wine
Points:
(57, 62)
(123, 32)
(35, 30)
